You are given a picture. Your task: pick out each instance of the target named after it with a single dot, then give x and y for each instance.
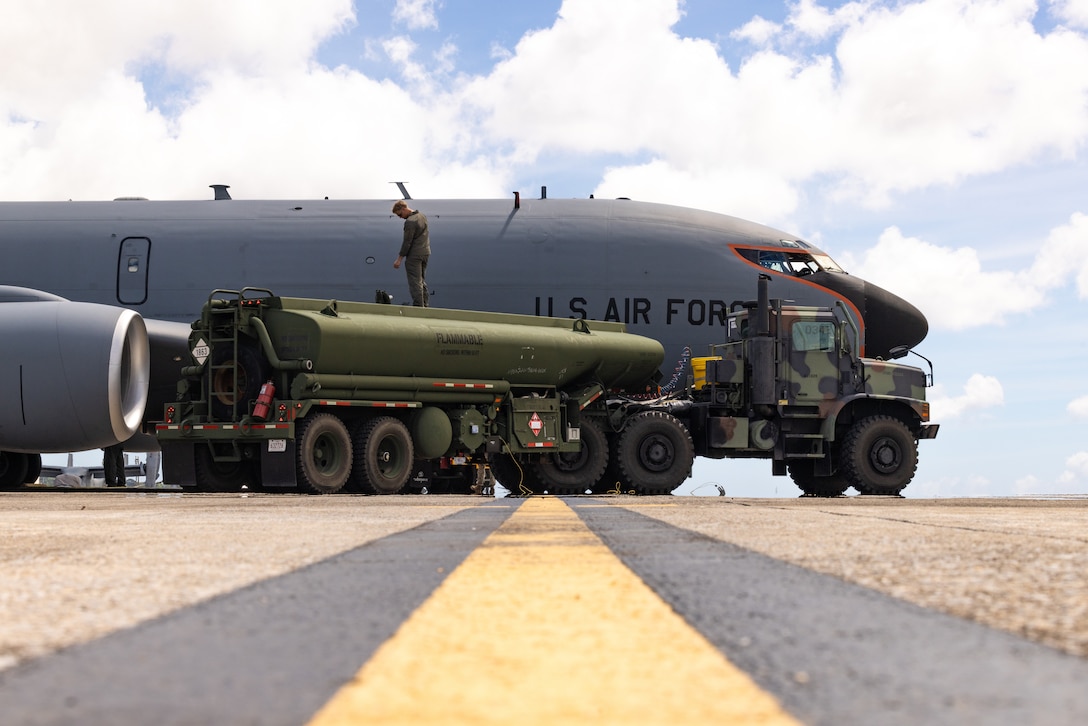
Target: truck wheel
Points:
(816, 486)
(655, 453)
(611, 480)
(575, 472)
(220, 476)
(12, 469)
(879, 455)
(383, 455)
(324, 453)
(231, 396)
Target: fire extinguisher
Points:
(264, 401)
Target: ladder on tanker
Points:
(227, 376)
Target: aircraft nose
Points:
(890, 321)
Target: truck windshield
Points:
(789, 262)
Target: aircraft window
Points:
(827, 264)
(813, 336)
(789, 262)
(133, 264)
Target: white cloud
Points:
(980, 392)
(817, 22)
(948, 285)
(1064, 255)
(1031, 484)
(758, 31)
(1072, 12)
(913, 94)
(416, 14)
(954, 291)
(1076, 469)
(1078, 407)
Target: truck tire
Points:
(383, 455)
(575, 472)
(231, 397)
(816, 486)
(220, 476)
(879, 455)
(12, 470)
(323, 453)
(655, 453)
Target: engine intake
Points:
(73, 376)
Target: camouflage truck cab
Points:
(789, 385)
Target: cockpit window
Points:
(790, 262)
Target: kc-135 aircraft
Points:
(97, 297)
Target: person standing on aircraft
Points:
(414, 251)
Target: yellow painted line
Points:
(542, 624)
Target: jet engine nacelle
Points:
(73, 376)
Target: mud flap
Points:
(278, 463)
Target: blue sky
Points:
(935, 147)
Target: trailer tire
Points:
(383, 455)
(220, 476)
(879, 455)
(655, 453)
(231, 397)
(13, 466)
(816, 486)
(323, 454)
(575, 472)
(518, 477)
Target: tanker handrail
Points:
(300, 364)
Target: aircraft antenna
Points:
(221, 191)
(403, 189)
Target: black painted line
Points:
(837, 653)
(270, 653)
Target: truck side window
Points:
(812, 335)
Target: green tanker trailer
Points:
(326, 395)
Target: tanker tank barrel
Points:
(314, 382)
(302, 364)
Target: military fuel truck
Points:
(323, 395)
(320, 396)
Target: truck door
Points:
(813, 361)
(132, 261)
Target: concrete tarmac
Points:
(123, 607)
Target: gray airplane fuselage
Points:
(669, 272)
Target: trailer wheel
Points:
(816, 486)
(879, 455)
(324, 453)
(519, 477)
(655, 453)
(575, 472)
(383, 455)
(220, 476)
(230, 395)
(13, 467)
